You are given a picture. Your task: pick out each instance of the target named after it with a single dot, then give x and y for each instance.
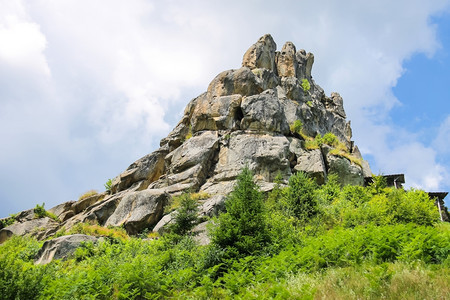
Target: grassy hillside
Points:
(298, 242)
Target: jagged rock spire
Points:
(245, 118)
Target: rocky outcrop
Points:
(33, 227)
(62, 247)
(261, 54)
(312, 163)
(245, 118)
(139, 210)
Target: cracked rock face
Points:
(243, 119)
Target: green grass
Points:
(361, 243)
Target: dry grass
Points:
(175, 202)
(88, 194)
(341, 153)
(96, 230)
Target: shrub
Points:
(108, 185)
(305, 85)
(40, 212)
(296, 127)
(242, 230)
(8, 221)
(186, 216)
(19, 277)
(300, 198)
(330, 139)
(378, 184)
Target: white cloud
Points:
(21, 41)
(442, 140)
(122, 71)
(417, 162)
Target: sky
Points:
(88, 87)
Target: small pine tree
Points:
(242, 230)
(186, 216)
(301, 200)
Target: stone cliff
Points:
(269, 115)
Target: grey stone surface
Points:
(212, 206)
(311, 162)
(200, 233)
(261, 54)
(216, 113)
(286, 61)
(147, 169)
(61, 248)
(348, 172)
(139, 210)
(30, 227)
(263, 113)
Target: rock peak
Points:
(261, 54)
(269, 115)
(285, 63)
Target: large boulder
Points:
(139, 210)
(264, 154)
(61, 248)
(311, 162)
(348, 172)
(188, 166)
(241, 81)
(305, 62)
(143, 172)
(33, 227)
(84, 203)
(243, 119)
(217, 113)
(61, 210)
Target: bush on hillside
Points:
(242, 229)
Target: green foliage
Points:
(309, 103)
(378, 184)
(242, 229)
(175, 202)
(19, 277)
(305, 85)
(300, 199)
(185, 216)
(108, 185)
(296, 127)
(303, 242)
(330, 139)
(8, 221)
(40, 212)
